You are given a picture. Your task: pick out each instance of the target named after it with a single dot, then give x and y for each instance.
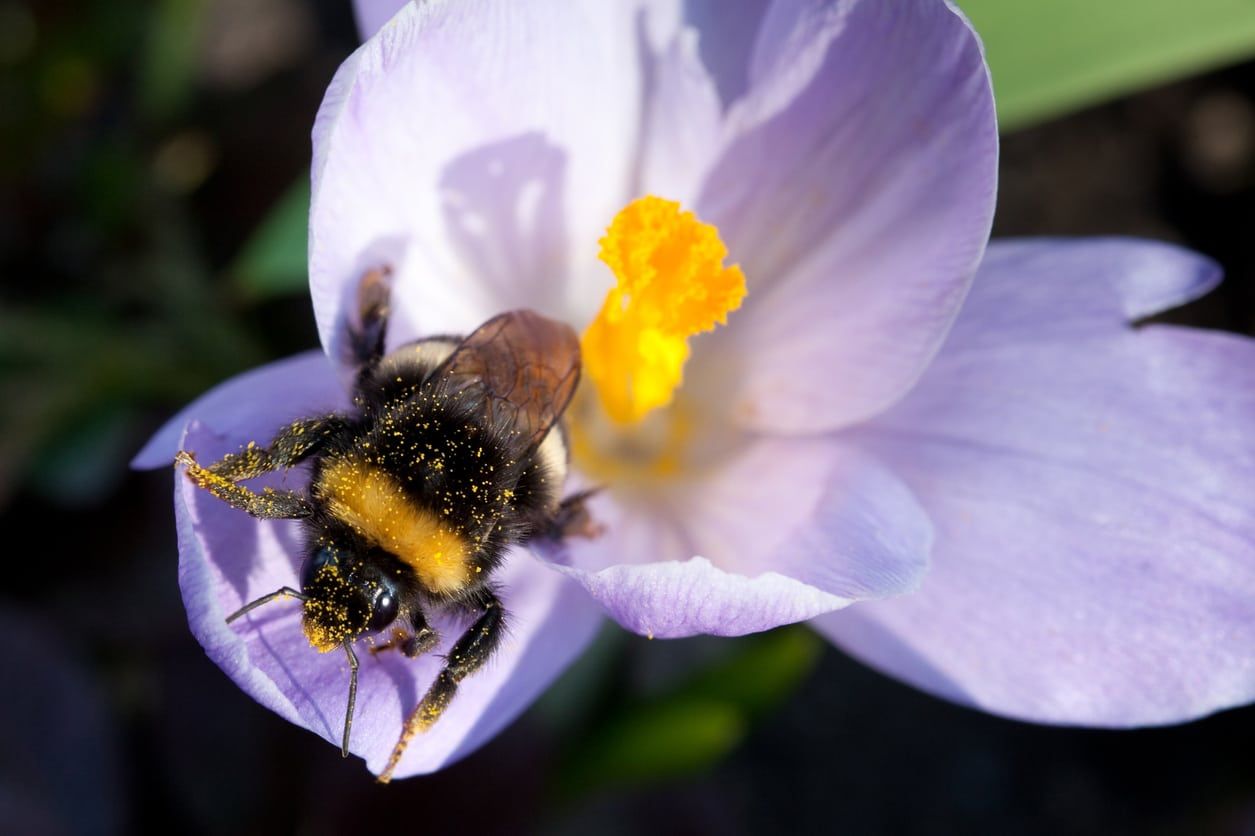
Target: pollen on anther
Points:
(670, 285)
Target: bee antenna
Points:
(281, 592)
(348, 715)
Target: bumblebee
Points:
(453, 452)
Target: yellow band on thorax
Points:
(371, 502)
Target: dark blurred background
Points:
(142, 147)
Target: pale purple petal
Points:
(683, 121)
(726, 41)
(253, 405)
(857, 193)
(228, 558)
(1093, 492)
(478, 149)
(373, 14)
(784, 530)
(1060, 289)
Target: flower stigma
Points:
(671, 284)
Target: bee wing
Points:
(523, 366)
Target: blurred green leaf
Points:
(89, 460)
(274, 261)
(570, 701)
(693, 726)
(73, 381)
(671, 739)
(170, 56)
(762, 673)
(1049, 57)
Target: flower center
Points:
(628, 426)
(671, 284)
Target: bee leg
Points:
(368, 331)
(466, 657)
(294, 443)
(398, 636)
(573, 520)
(413, 645)
(270, 504)
(422, 640)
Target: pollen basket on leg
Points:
(670, 285)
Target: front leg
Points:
(467, 656)
(415, 644)
(294, 443)
(270, 504)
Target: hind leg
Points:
(573, 519)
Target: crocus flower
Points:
(815, 182)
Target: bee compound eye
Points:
(384, 609)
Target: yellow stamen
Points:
(671, 285)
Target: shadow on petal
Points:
(504, 213)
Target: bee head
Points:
(346, 596)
